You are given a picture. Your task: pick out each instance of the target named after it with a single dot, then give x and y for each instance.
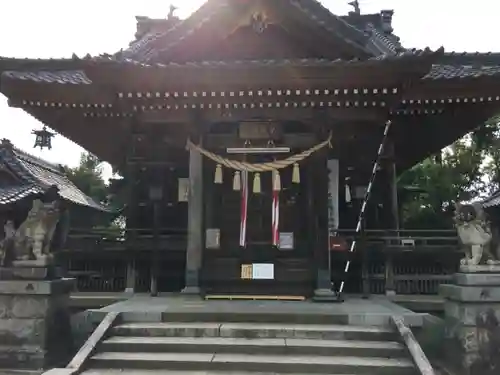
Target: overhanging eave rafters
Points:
(99, 136)
(432, 133)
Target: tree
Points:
(467, 170)
(88, 177)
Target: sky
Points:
(59, 28)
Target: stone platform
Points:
(356, 311)
(34, 323)
(472, 310)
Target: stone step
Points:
(178, 372)
(252, 363)
(254, 315)
(249, 330)
(253, 346)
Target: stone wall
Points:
(35, 331)
(472, 321)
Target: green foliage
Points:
(468, 169)
(88, 177)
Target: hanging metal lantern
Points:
(43, 138)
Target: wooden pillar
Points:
(393, 184)
(318, 216)
(130, 234)
(394, 196)
(131, 276)
(195, 223)
(155, 196)
(365, 263)
(390, 287)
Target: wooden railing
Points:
(386, 261)
(402, 261)
(138, 239)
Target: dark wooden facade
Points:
(286, 61)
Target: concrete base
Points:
(35, 331)
(191, 290)
(472, 320)
(326, 295)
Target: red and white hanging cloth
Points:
(244, 208)
(276, 209)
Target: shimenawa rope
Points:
(259, 167)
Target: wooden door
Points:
(292, 267)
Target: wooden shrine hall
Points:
(251, 135)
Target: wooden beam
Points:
(290, 140)
(278, 114)
(226, 76)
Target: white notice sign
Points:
(263, 271)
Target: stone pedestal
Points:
(323, 291)
(472, 316)
(35, 330)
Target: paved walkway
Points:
(373, 311)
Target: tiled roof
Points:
(148, 46)
(403, 54)
(44, 65)
(492, 201)
(470, 58)
(36, 176)
(148, 25)
(461, 71)
(381, 43)
(15, 193)
(155, 42)
(75, 77)
(334, 24)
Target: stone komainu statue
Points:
(480, 243)
(32, 240)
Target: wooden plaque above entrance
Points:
(253, 130)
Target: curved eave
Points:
(420, 136)
(101, 78)
(447, 84)
(103, 137)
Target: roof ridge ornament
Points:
(355, 5)
(171, 12)
(259, 22)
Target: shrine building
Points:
(252, 135)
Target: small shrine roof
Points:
(35, 176)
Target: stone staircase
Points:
(180, 347)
